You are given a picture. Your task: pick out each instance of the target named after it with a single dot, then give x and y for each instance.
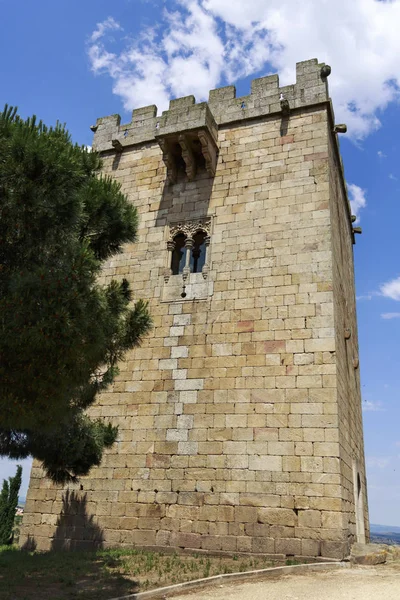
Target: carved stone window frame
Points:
(188, 229)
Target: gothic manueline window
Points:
(178, 254)
(188, 248)
(198, 255)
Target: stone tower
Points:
(239, 417)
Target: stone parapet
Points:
(223, 107)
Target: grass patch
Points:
(104, 574)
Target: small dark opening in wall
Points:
(178, 254)
(177, 153)
(196, 148)
(198, 256)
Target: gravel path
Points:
(362, 583)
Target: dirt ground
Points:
(357, 583)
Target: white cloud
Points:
(369, 406)
(187, 59)
(357, 199)
(381, 154)
(205, 43)
(391, 176)
(392, 315)
(108, 25)
(380, 462)
(364, 297)
(391, 289)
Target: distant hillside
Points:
(385, 534)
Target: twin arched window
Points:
(197, 247)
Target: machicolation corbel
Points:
(187, 135)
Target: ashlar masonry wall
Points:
(239, 416)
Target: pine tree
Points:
(61, 332)
(8, 505)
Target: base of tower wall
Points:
(310, 550)
(75, 537)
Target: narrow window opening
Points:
(358, 503)
(198, 256)
(178, 254)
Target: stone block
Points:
(191, 498)
(189, 448)
(281, 448)
(309, 518)
(265, 463)
(211, 542)
(312, 464)
(332, 520)
(163, 538)
(310, 548)
(186, 540)
(261, 545)
(369, 554)
(337, 550)
(277, 516)
(245, 514)
(260, 500)
(143, 538)
(288, 546)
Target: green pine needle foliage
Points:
(61, 332)
(8, 505)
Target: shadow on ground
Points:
(76, 567)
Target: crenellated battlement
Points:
(223, 107)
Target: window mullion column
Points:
(188, 249)
(168, 266)
(206, 266)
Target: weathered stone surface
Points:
(369, 554)
(239, 416)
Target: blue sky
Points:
(76, 61)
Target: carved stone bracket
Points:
(188, 157)
(170, 163)
(209, 151)
(188, 137)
